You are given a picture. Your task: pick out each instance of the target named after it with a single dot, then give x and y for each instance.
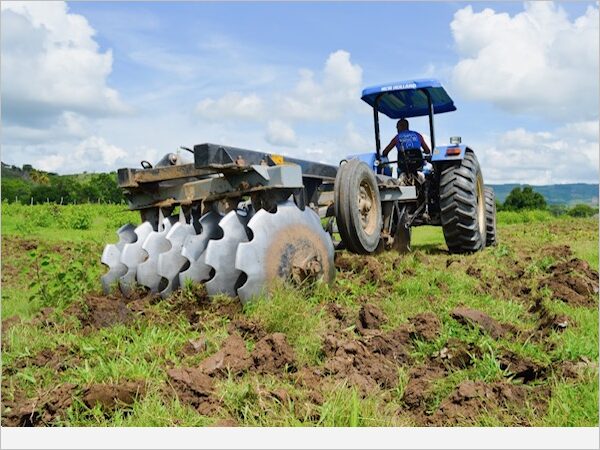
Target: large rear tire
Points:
(357, 207)
(490, 217)
(462, 204)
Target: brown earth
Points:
(110, 396)
(39, 411)
(101, 311)
(370, 317)
(457, 354)
(427, 326)
(472, 398)
(518, 367)
(194, 346)
(59, 359)
(247, 328)
(232, 357)
(14, 248)
(358, 264)
(418, 390)
(273, 353)
(573, 282)
(195, 388)
(468, 316)
(369, 362)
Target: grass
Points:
(64, 268)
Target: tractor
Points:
(237, 220)
(450, 189)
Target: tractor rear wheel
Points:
(490, 217)
(357, 207)
(462, 204)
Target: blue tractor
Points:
(443, 188)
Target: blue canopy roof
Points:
(407, 99)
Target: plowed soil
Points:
(428, 339)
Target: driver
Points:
(404, 140)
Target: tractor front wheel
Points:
(463, 206)
(357, 207)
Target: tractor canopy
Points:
(408, 98)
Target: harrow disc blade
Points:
(155, 244)
(133, 255)
(111, 257)
(195, 245)
(220, 253)
(289, 244)
(171, 262)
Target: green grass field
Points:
(388, 344)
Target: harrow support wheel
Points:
(358, 207)
(490, 217)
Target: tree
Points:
(525, 198)
(16, 188)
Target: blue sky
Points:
(139, 79)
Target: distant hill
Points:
(556, 194)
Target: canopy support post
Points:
(376, 123)
(431, 130)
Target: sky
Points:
(95, 86)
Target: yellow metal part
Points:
(278, 159)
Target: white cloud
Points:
(354, 141)
(68, 126)
(51, 64)
(328, 99)
(567, 154)
(537, 62)
(280, 133)
(92, 154)
(232, 105)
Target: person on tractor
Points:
(408, 140)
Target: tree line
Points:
(41, 187)
(527, 199)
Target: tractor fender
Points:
(449, 153)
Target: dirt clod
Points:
(247, 328)
(472, 398)
(427, 326)
(573, 282)
(195, 388)
(101, 311)
(39, 411)
(232, 357)
(519, 367)
(110, 396)
(273, 353)
(417, 391)
(194, 346)
(468, 316)
(353, 361)
(370, 317)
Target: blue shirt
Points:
(408, 140)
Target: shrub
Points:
(582, 210)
